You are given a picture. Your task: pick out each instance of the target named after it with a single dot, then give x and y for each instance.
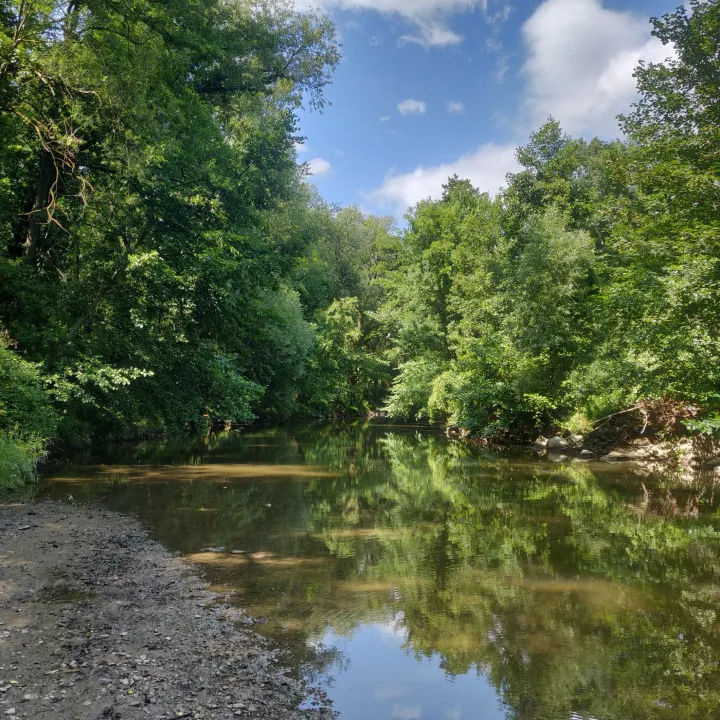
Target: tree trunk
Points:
(27, 235)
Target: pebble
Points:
(97, 650)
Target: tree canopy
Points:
(164, 264)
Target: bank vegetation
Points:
(165, 266)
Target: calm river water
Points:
(415, 578)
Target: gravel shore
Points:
(99, 621)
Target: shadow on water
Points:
(415, 577)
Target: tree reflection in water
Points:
(577, 589)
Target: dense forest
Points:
(165, 266)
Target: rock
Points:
(587, 454)
(213, 550)
(711, 464)
(557, 443)
(662, 452)
(627, 455)
(576, 440)
(540, 444)
(556, 457)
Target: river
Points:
(413, 577)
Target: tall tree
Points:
(145, 148)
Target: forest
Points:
(166, 266)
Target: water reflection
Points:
(419, 578)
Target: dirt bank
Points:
(98, 621)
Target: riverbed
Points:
(411, 576)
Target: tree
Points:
(147, 152)
(663, 254)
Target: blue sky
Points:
(427, 88)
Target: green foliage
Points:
(707, 426)
(27, 420)
(412, 391)
(591, 283)
(490, 325)
(148, 176)
(347, 255)
(165, 266)
(24, 405)
(665, 268)
(18, 458)
(284, 340)
(473, 401)
(342, 375)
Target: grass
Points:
(18, 461)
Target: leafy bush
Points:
(478, 404)
(706, 426)
(24, 404)
(343, 376)
(18, 459)
(27, 419)
(412, 389)
(284, 340)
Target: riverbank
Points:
(650, 436)
(99, 621)
(685, 456)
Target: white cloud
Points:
(319, 166)
(432, 34)
(412, 107)
(384, 118)
(485, 168)
(456, 108)
(580, 60)
(431, 17)
(301, 147)
(497, 13)
(501, 67)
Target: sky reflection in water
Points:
(415, 577)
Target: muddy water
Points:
(415, 578)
